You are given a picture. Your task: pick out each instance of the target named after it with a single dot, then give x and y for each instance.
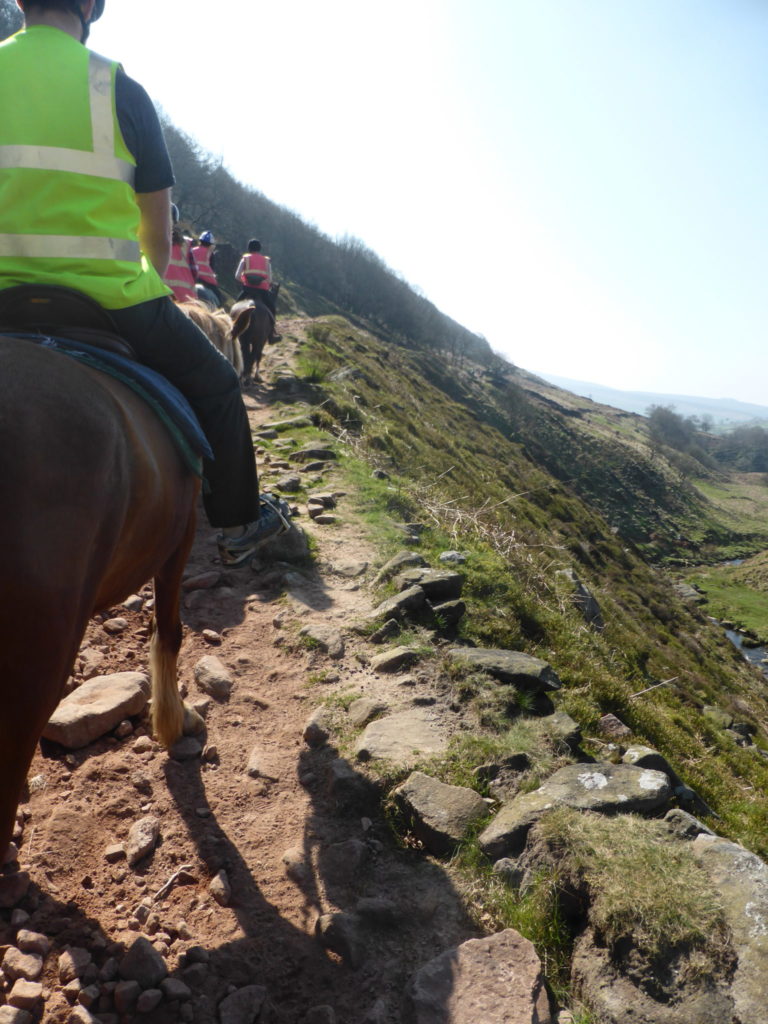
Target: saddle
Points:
(73, 324)
(52, 311)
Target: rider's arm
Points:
(143, 136)
(240, 269)
(155, 227)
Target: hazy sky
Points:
(581, 181)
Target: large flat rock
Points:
(605, 788)
(441, 815)
(97, 707)
(409, 602)
(741, 879)
(403, 738)
(496, 980)
(437, 584)
(513, 667)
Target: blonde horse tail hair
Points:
(167, 706)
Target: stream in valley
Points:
(755, 655)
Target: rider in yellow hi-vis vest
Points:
(69, 211)
(85, 184)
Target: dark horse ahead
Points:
(253, 325)
(95, 501)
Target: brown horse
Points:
(253, 326)
(96, 501)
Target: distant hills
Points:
(724, 412)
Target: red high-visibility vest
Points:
(179, 276)
(205, 273)
(259, 264)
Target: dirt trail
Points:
(215, 817)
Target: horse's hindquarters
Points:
(95, 503)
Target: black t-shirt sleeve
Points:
(143, 135)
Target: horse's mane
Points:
(217, 327)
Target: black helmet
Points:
(98, 8)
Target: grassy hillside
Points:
(532, 481)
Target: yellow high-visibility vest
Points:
(68, 211)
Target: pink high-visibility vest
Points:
(256, 263)
(179, 276)
(205, 273)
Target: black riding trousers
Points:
(259, 295)
(167, 341)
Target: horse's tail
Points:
(167, 708)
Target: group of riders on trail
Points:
(85, 204)
(191, 266)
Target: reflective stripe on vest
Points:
(63, 246)
(49, 158)
(49, 191)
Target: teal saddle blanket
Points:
(171, 406)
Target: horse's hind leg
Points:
(31, 683)
(247, 351)
(168, 712)
(17, 746)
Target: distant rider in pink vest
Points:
(182, 269)
(254, 272)
(205, 257)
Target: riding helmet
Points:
(98, 8)
(207, 238)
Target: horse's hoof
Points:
(193, 723)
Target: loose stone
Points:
(96, 708)
(394, 660)
(73, 963)
(26, 995)
(296, 866)
(16, 964)
(149, 1000)
(32, 942)
(143, 964)
(243, 1006)
(142, 839)
(220, 889)
(340, 934)
(116, 626)
(213, 678)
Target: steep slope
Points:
(456, 462)
(655, 498)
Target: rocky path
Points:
(227, 858)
